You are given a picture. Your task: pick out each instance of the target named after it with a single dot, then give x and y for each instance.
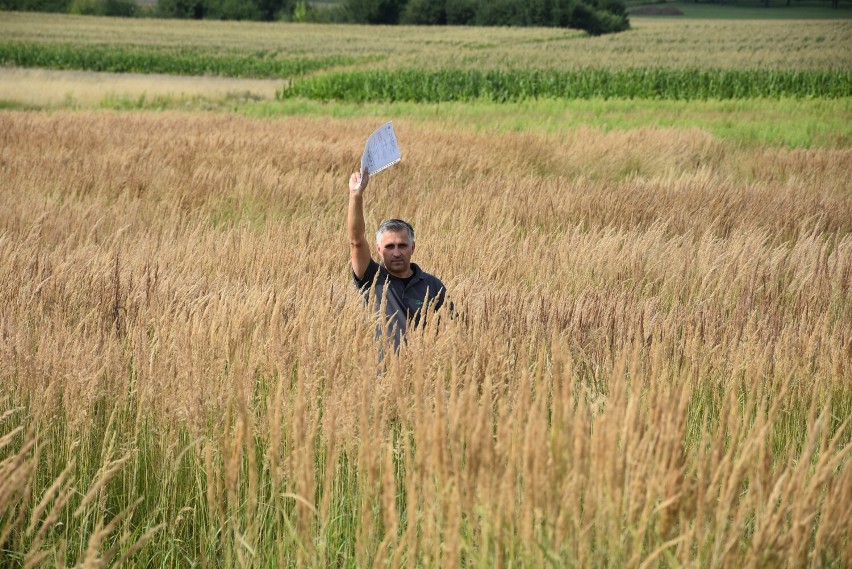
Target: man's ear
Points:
(412, 246)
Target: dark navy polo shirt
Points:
(405, 297)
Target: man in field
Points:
(407, 292)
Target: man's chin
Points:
(397, 267)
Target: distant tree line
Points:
(89, 7)
(260, 10)
(834, 3)
(594, 16)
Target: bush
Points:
(597, 22)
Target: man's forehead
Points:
(395, 237)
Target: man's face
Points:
(395, 249)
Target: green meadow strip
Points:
(517, 85)
(181, 61)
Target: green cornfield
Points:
(181, 61)
(633, 83)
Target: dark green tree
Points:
(460, 12)
(425, 12)
(35, 5)
(270, 10)
(121, 8)
(375, 11)
(187, 9)
(503, 13)
(230, 10)
(541, 12)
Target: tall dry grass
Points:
(650, 364)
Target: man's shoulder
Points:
(369, 274)
(430, 279)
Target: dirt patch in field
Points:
(47, 87)
(655, 11)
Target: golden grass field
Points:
(651, 364)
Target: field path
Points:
(46, 87)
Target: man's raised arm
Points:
(359, 249)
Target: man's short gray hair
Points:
(394, 225)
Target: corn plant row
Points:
(127, 59)
(516, 85)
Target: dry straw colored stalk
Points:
(649, 363)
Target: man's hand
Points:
(357, 184)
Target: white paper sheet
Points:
(381, 150)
